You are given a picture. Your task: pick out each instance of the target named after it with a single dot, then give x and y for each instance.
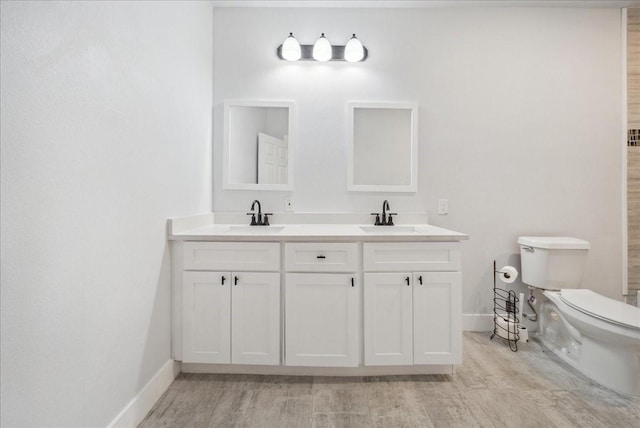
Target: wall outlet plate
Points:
(288, 204)
(443, 206)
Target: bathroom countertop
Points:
(205, 230)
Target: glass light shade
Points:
(322, 49)
(291, 49)
(353, 51)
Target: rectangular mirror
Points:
(383, 146)
(258, 145)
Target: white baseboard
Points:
(477, 322)
(317, 371)
(139, 406)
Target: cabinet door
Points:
(322, 316)
(387, 319)
(437, 317)
(255, 309)
(206, 300)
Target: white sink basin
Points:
(255, 230)
(389, 230)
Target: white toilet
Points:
(597, 335)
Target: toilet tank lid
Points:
(554, 242)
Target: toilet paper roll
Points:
(507, 274)
(523, 334)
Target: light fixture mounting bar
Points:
(306, 51)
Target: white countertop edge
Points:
(306, 226)
(321, 238)
(324, 232)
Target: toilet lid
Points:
(602, 307)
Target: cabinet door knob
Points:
(408, 281)
(223, 279)
(420, 279)
(235, 280)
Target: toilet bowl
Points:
(608, 341)
(597, 335)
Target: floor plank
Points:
(494, 387)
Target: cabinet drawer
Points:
(236, 256)
(321, 257)
(411, 256)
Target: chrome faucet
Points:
(261, 221)
(386, 221)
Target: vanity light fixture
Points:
(291, 49)
(322, 50)
(353, 51)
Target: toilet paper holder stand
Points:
(506, 321)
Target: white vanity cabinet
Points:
(231, 303)
(412, 303)
(329, 296)
(322, 308)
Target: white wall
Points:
(106, 124)
(520, 120)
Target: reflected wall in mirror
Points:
(383, 146)
(258, 145)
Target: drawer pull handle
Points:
(235, 280)
(353, 282)
(420, 279)
(223, 279)
(408, 282)
(321, 257)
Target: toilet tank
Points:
(553, 262)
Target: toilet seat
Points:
(601, 307)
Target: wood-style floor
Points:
(494, 387)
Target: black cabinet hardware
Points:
(408, 281)
(222, 280)
(321, 257)
(420, 279)
(353, 282)
(235, 280)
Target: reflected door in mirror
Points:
(273, 154)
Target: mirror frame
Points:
(228, 104)
(404, 105)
